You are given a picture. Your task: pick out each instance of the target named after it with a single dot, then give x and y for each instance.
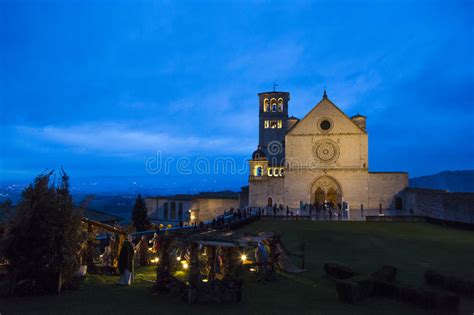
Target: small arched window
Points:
(398, 203)
(173, 210)
(258, 171)
(282, 171)
(276, 172)
(280, 104)
(273, 104)
(265, 105)
(180, 211)
(165, 211)
(270, 171)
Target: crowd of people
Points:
(326, 210)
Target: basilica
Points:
(320, 158)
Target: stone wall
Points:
(155, 209)
(438, 204)
(244, 197)
(262, 188)
(205, 209)
(383, 187)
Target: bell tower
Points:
(273, 116)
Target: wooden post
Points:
(272, 254)
(58, 290)
(211, 252)
(193, 277)
(361, 210)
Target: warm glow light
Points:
(205, 280)
(185, 265)
(150, 249)
(155, 260)
(178, 258)
(252, 269)
(243, 257)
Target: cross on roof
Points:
(274, 86)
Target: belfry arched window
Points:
(258, 171)
(265, 105)
(280, 104)
(273, 105)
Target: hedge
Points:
(450, 283)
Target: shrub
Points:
(43, 238)
(385, 273)
(339, 272)
(427, 298)
(140, 218)
(348, 291)
(384, 288)
(366, 285)
(450, 283)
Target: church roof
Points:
(273, 92)
(178, 197)
(226, 194)
(258, 154)
(358, 115)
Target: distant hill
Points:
(453, 181)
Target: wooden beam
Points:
(104, 226)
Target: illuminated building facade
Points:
(321, 158)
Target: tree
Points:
(140, 218)
(43, 236)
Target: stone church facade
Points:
(321, 158)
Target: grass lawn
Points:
(411, 247)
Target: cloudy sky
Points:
(101, 86)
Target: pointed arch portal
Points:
(326, 188)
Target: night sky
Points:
(100, 87)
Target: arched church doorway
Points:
(332, 196)
(319, 196)
(326, 189)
